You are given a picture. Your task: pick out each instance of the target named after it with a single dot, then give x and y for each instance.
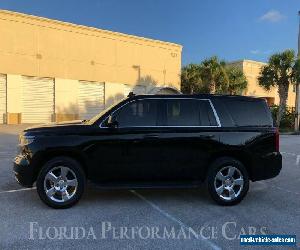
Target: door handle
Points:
(151, 137)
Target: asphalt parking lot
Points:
(139, 219)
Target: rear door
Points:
(188, 139)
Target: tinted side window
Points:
(137, 113)
(207, 117)
(249, 113)
(185, 112)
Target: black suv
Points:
(154, 141)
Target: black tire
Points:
(74, 168)
(214, 183)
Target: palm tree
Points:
(214, 74)
(191, 81)
(282, 70)
(237, 81)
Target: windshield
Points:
(96, 117)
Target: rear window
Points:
(249, 112)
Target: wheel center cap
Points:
(228, 182)
(61, 184)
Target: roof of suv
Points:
(200, 96)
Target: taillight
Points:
(277, 140)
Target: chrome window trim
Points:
(169, 98)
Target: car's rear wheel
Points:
(61, 182)
(228, 181)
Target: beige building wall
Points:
(113, 93)
(35, 46)
(66, 103)
(251, 70)
(14, 107)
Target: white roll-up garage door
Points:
(2, 97)
(37, 99)
(138, 89)
(90, 99)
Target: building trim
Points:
(246, 61)
(83, 29)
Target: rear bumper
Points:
(23, 171)
(269, 166)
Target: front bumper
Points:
(23, 171)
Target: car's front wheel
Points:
(228, 181)
(61, 182)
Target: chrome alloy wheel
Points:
(229, 183)
(60, 184)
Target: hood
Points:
(59, 126)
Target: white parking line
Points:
(287, 153)
(295, 155)
(17, 190)
(209, 243)
(285, 190)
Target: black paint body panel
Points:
(150, 154)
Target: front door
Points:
(129, 152)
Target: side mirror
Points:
(112, 123)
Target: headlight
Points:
(26, 139)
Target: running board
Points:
(164, 185)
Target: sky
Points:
(230, 29)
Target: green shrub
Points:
(288, 118)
